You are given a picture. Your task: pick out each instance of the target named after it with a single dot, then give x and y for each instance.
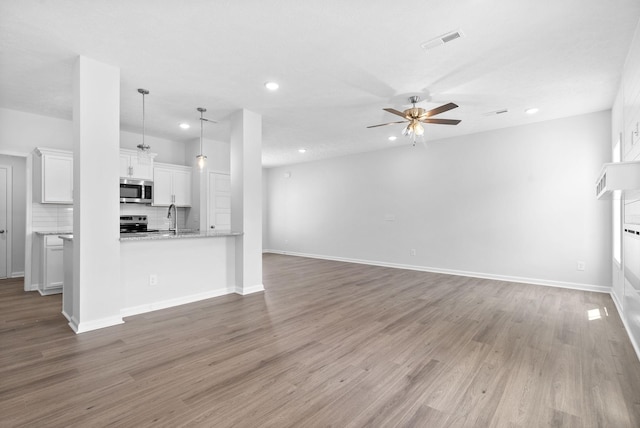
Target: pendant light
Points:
(201, 158)
(144, 150)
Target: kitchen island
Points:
(163, 269)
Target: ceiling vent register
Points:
(441, 40)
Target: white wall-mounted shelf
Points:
(623, 176)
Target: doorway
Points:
(5, 220)
(219, 212)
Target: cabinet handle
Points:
(213, 227)
(2, 231)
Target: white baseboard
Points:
(243, 291)
(17, 274)
(535, 281)
(169, 303)
(49, 292)
(94, 325)
(66, 315)
(634, 342)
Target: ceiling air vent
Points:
(441, 40)
(495, 112)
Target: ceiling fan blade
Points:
(396, 112)
(439, 110)
(385, 124)
(204, 119)
(441, 121)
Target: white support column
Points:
(246, 199)
(97, 293)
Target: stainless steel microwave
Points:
(136, 191)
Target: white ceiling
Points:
(338, 63)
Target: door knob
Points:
(212, 227)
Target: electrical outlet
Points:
(153, 279)
(412, 252)
(580, 265)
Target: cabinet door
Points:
(182, 188)
(124, 166)
(57, 179)
(53, 267)
(162, 186)
(219, 202)
(142, 170)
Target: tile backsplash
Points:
(51, 217)
(59, 218)
(157, 216)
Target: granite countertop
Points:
(165, 234)
(62, 232)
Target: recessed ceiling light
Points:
(532, 110)
(272, 86)
(302, 150)
(184, 126)
(393, 138)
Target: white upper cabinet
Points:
(171, 185)
(130, 167)
(53, 176)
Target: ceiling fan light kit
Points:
(416, 116)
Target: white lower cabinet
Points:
(51, 265)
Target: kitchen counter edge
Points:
(160, 237)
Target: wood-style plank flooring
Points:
(327, 344)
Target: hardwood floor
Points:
(328, 344)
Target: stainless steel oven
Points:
(136, 191)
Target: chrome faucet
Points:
(174, 218)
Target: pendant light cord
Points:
(143, 147)
(144, 129)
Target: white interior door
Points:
(5, 178)
(219, 202)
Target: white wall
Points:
(516, 203)
(21, 132)
(17, 228)
(168, 151)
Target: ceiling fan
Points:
(416, 116)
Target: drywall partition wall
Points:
(17, 228)
(97, 290)
(515, 203)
